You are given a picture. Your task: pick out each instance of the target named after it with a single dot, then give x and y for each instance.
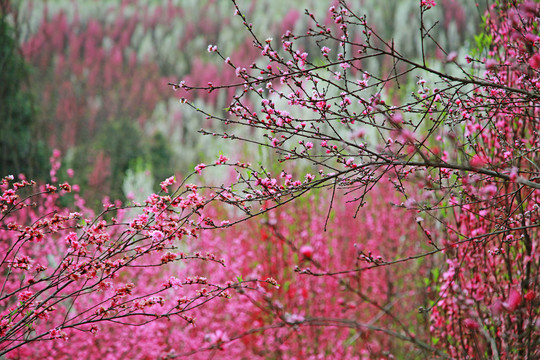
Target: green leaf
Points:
(286, 285)
(435, 273)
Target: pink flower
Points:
(167, 182)
(478, 161)
(25, 295)
(346, 101)
(428, 4)
(471, 324)
(168, 257)
(452, 56)
(293, 318)
(496, 307)
(534, 61)
(513, 302)
(57, 334)
(172, 282)
(491, 64)
(72, 240)
(397, 119)
(321, 105)
(157, 235)
(124, 290)
(222, 160)
(199, 167)
(219, 338)
(22, 262)
(139, 222)
(532, 37)
(530, 296)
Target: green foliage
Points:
(120, 147)
(159, 156)
(19, 152)
(483, 43)
(122, 143)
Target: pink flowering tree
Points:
(365, 314)
(459, 148)
(70, 273)
(100, 83)
(349, 315)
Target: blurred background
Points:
(89, 78)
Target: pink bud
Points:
(306, 251)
